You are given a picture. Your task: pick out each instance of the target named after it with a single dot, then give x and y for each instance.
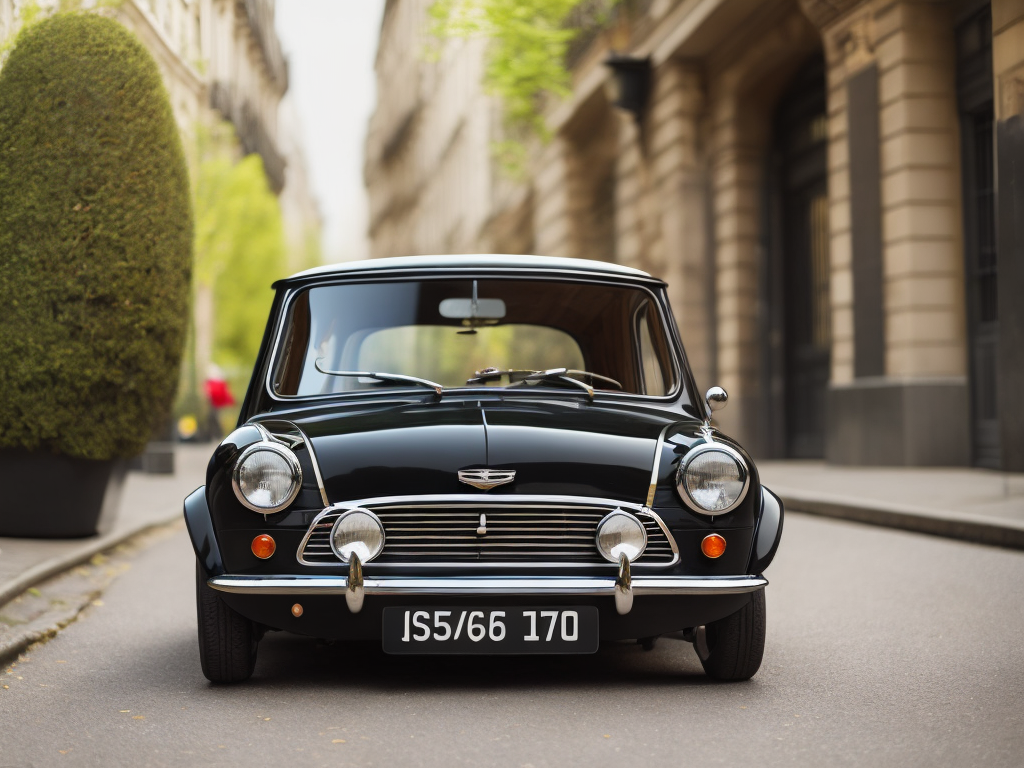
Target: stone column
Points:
(633, 232)
(737, 175)
(679, 248)
(899, 387)
(553, 200)
(921, 195)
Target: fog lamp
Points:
(263, 546)
(713, 546)
(358, 531)
(619, 534)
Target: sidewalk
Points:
(146, 500)
(977, 505)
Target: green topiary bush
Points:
(95, 241)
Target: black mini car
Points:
(479, 455)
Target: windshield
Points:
(459, 333)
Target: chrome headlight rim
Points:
(617, 512)
(358, 511)
(293, 464)
(699, 450)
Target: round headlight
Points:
(267, 477)
(357, 531)
(621, 534)
(712, 479)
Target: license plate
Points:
(509, 630)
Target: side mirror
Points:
(716, 398)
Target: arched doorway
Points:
(799, 332)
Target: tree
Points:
(239, 252)
(95, 241)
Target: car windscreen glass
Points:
(400, 328)
(449, 356)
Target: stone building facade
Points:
(219, 59)
(832, 188)
(6, 18)
(222, 55)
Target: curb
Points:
(951, 525)
(14, 646)
(55, 565)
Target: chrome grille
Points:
(516, 533)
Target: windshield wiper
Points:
(516, 376)
(560, 374)
(520, 377)
(393, 377)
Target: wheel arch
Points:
(768, 533)
(200, 531)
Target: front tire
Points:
(732, 648)
(227, 640)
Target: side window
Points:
(293, 348)
(653, 360)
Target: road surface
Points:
(884, 649)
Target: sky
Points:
(330, 45)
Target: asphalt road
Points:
(884, 649)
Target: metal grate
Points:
(515, 533)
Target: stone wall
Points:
(428, 156)
(897, 248)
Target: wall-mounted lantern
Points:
(630, 85)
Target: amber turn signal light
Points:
(263, 546)
(297, 610)
(713, 546)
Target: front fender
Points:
(200, 530)
(769, 532)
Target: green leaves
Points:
(239, 250)
(95, 240)
(527, 55)
(529, 40)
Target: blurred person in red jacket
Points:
(218, 393)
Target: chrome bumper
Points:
(622, 589)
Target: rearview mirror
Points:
(470, 309)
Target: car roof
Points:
(492, 261)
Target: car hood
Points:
(558, 448)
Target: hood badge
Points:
(485, 479)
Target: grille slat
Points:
(527, 533)
(491, 541)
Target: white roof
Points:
(492, 261)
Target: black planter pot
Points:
(47, 496)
